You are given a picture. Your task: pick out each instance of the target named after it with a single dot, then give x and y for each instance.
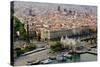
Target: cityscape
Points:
(50, 33)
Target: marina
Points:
(63, 57)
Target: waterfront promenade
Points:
(23, 60)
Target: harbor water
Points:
(86, 57)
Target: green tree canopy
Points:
(57, 46)
(19, 26)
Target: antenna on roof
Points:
(58, 8)
(30, 12)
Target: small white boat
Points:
(47, 61)
(60, 58)
(67, 55)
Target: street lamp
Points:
(28, 40)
